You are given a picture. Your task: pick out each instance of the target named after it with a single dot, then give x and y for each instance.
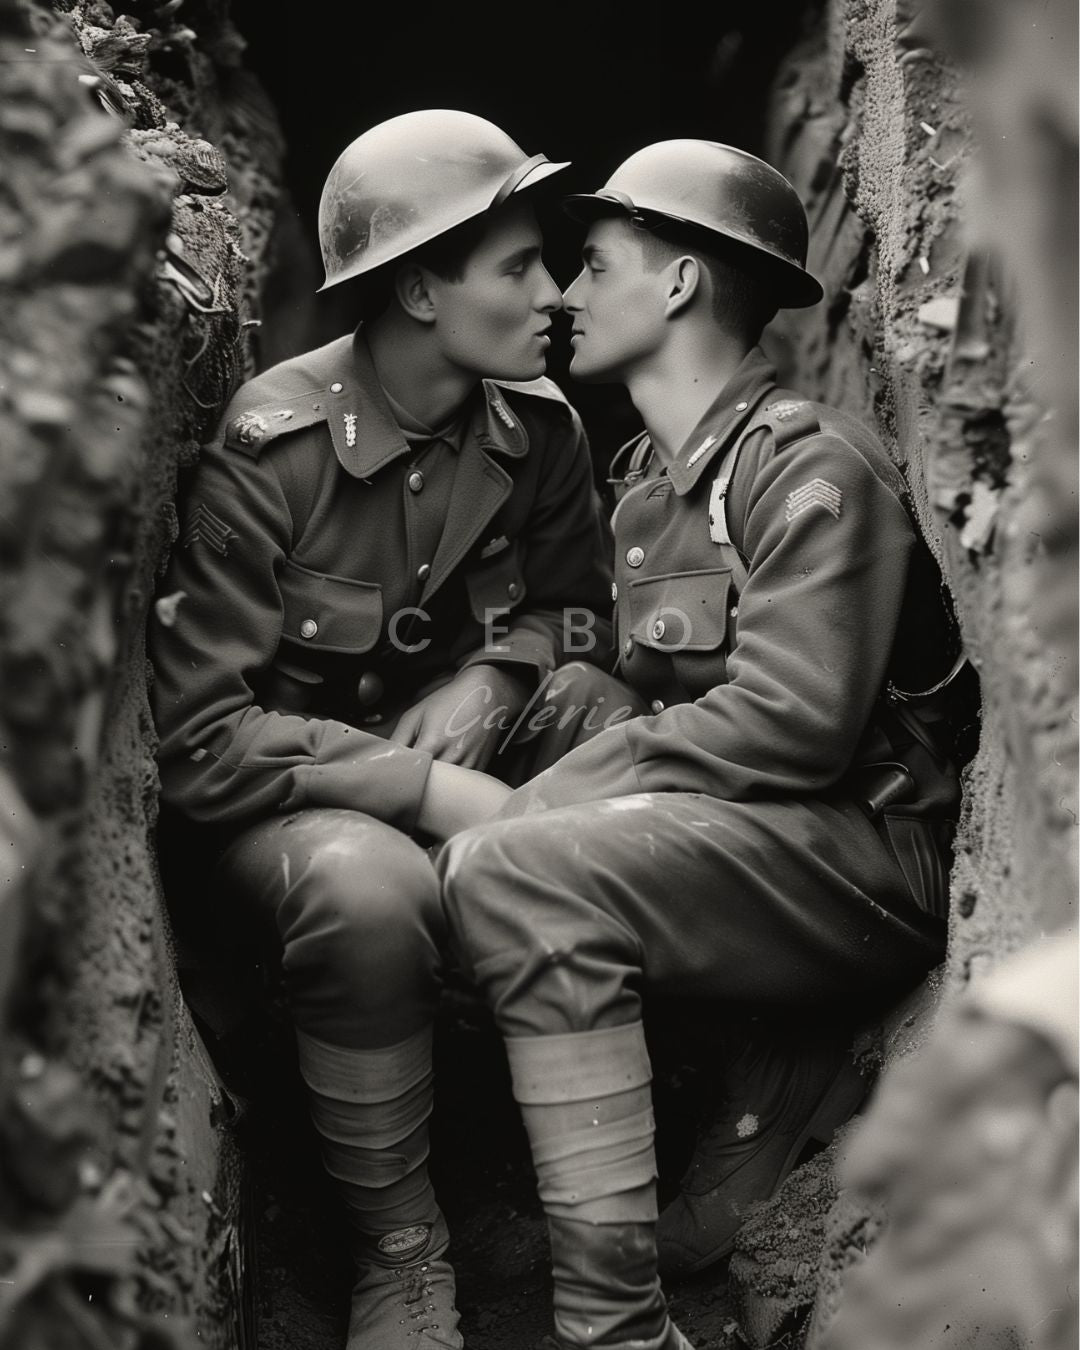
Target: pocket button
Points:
(308, 628)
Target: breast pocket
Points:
(324, 613)
(496, 585)
(683, 616)
(325, 621)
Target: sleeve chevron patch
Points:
(817, 492)
(203, 526)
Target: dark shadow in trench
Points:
(587, 83)
(590, 85)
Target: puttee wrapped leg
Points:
(371, 1109)
(586, 1101)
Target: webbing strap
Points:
(719, 532)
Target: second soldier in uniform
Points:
(773, 831)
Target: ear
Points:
(412, 287)
(684, 283)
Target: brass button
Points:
(742, 405)
(308, 628)
(423, 572)
(635, 556)
(659, 628)
(512, 590)
(628, 647)
(657, 705)
(416, 481)
(614, 592)
(336, 387)
(369, 689)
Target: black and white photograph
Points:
(539, 595)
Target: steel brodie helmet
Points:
(408, 180)
(720, 189)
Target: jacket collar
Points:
(496, 426)
(725, 419)
(366, 434)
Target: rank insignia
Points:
(350, 429)
(784, 409)
(815, 493)
(206, 528)
(247, 429)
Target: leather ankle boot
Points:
(607, 1292)
(404, 1297)
(783, 1098)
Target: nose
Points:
(548, 299)
(570, 302)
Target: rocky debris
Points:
(131, 251)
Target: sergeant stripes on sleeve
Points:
(817, 492)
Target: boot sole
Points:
(843, 1097)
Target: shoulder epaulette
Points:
(252, 430)
(790, 420)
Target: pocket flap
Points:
(328, 613)
(681, 611)
(496, 584)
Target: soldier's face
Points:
(494, 321)
(616, 304)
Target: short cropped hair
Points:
(447, 255)
(744, 290)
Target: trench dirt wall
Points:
(942, 328)
(140, 187)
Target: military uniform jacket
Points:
(317, 600)
(763, 684)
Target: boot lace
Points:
(415, 1288)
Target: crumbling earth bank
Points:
(141, 171)
(919, 334)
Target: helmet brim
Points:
(537, 174)
(796, 287)
(585, 207)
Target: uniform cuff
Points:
(386, 781)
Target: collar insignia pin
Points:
(501, 413)
(350, 429)
(708, 442)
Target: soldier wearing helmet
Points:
(773, 833)
(383, 531)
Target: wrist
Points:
(511, 685)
